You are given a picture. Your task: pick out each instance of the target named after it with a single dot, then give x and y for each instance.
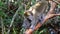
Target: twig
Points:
(13, 20)
(3, 7)
(56, 2)
(2, 25)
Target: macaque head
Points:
(28, 15)
(27, 19)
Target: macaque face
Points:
(27, 19)
(28, 15)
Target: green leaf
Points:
(1, 3)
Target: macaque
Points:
(36, 12)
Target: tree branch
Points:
(2, 25)
(13, 20)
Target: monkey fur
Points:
(35, 12)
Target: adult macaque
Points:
(37, 11)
